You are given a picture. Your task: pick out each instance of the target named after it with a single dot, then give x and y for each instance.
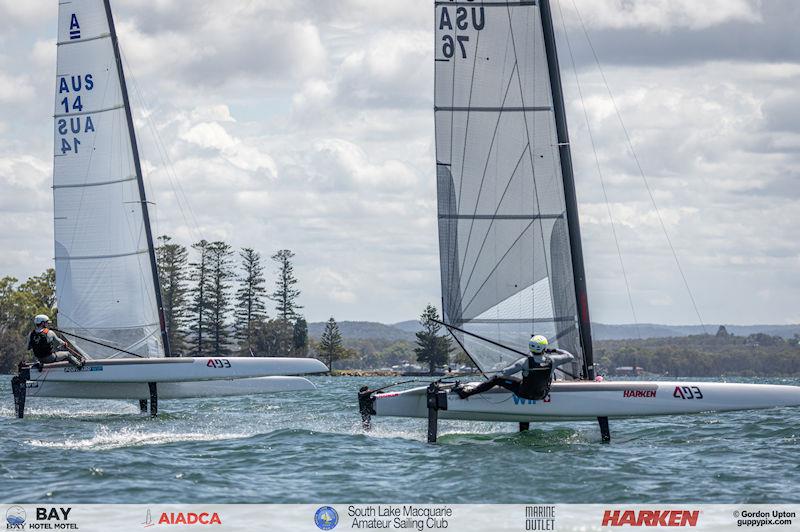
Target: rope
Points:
(98, 343)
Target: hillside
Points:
(404, 330)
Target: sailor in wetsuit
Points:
(537, 372)
(46, 345)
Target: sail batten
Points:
(105, 281)
(505, 252)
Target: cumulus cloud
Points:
(308, 125)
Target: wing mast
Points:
(140, 180)
(579, 275)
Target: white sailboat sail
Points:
(104, 277)
(506, 263)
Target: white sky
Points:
(308, 124)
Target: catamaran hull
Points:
(591, 400)
(168, 390)
(144, 370)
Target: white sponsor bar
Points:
(397, 517)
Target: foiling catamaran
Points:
(509, 238)
(107, 281)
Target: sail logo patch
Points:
(650, 518)
(638, 393)
(74, 27)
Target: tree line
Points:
(215, 302)
(704, 355)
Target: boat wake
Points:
(108, 439)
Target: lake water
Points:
(309, 447)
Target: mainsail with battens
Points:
(511, 263)
(106, 279)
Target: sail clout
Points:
(104, 276)
(506, 263)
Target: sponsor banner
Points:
(398, 517)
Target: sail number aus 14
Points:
(218, 363)
(687, 392)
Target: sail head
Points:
(104, 279)
(506, 263)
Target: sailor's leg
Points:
(143, 406)
(20, 389)
(512, 384)
(153, 398)
(480, 388)
(604, 430)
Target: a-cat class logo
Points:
(650, 517)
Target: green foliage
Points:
(285, 294)
(219, 299)
(330, 344)
(250, 307)
(173, 264)
(432, 349)
(18, 306)
(272, 338)
(198, 311)
(704, 355)
(300, 336)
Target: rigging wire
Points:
(181, 197)
(639, 167)
(599, 170)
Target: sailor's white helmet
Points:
(40, 319)
(537, 344)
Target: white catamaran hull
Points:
(163, 370)
(168, 390)
(590, 400)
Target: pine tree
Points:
(173, 264)
(250, 309)
(198, 312)
(220, 269)
(300, 336)
(432, 349)
(330, 344)
(285, 295)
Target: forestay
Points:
(506, 264)
(104, 276)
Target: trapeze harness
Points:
(40, 344)
(536, 380)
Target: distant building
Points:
(628, 371)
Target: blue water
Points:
(308, 447)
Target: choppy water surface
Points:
(308, 447)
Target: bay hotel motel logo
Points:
(46, 519)
(15, 518)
